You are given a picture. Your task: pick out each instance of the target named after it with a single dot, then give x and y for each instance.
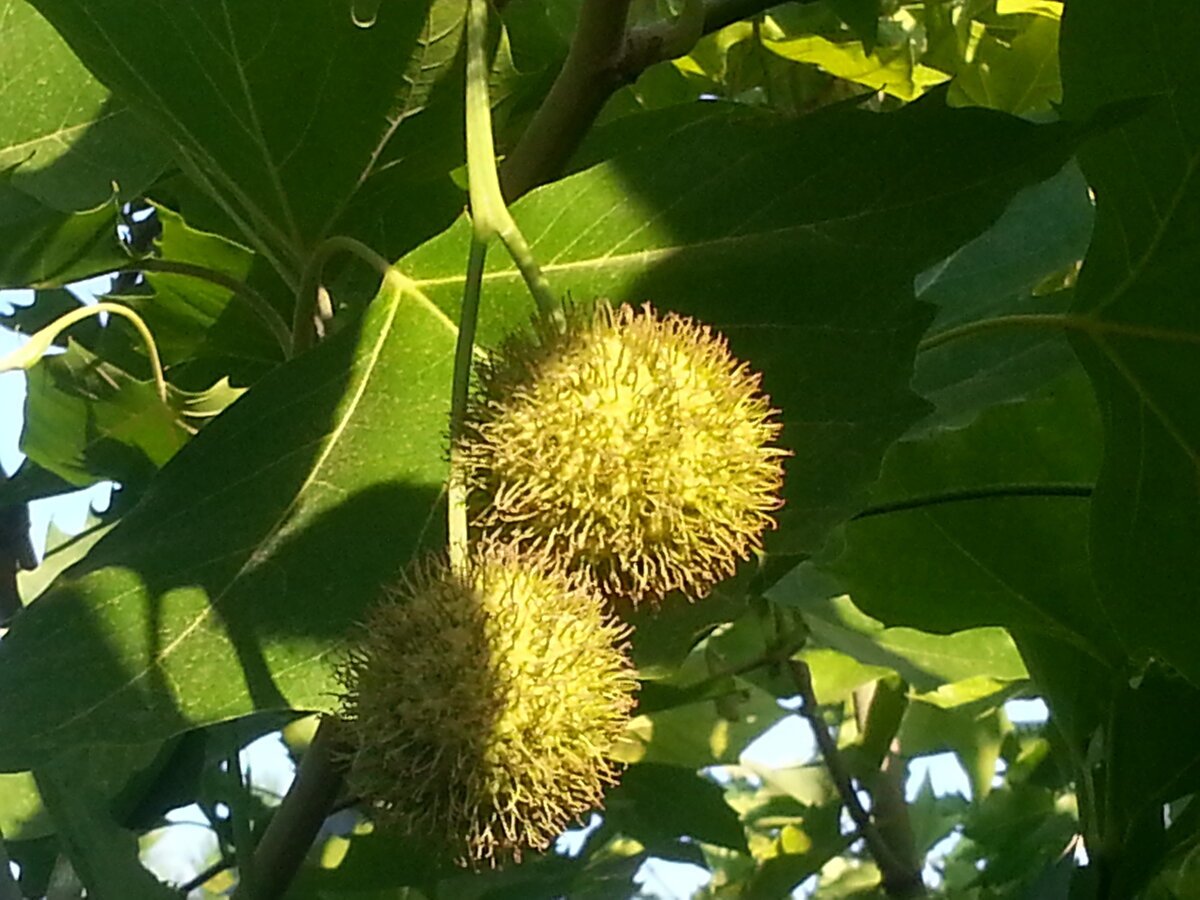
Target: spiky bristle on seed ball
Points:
(482, 706)
(633, 445)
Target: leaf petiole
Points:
(28, 354)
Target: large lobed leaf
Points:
(1140, 324)
(790, 238)
(225, 589)
(980, 557)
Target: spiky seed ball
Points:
(482, 706)
(633, 445)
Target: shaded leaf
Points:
(1141, 324)
(42, 247)
(194, 319)
(1045, 229)
(87, 420)
(863, 18)
(981, 558)
(1146, 774)
(246, 555)
(104, 855)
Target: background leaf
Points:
(697, 808)
(266, 111)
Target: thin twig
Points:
(890, 866)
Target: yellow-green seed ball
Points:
(482, 705)
(632, 445)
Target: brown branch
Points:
(603, 58)
(295, 824)
(898, 879)
(589, 76)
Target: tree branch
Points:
(879, 709)
(898, 879)
(602, 59)
(294, 827)
(589, 76)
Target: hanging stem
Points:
(489, 214)
(489, 217)
(28, 354)
(295, 824)
(460, 392)
(311, 296)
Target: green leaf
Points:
(202, 326)
(697, 807)
(633, 231)
(1146, 774)
(279, 113)
(975, 733)
(891, 69)
(42, 247)
(703, 733)
(69, 144)
(23, 816)
(1045, 229)
(1014, 67)
(925, 661)
(980, 559)
(1141, 324)
(88, 420)
(835, 675)
(219, 593)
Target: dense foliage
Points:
(959, 239)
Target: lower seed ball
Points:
(482, 705)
